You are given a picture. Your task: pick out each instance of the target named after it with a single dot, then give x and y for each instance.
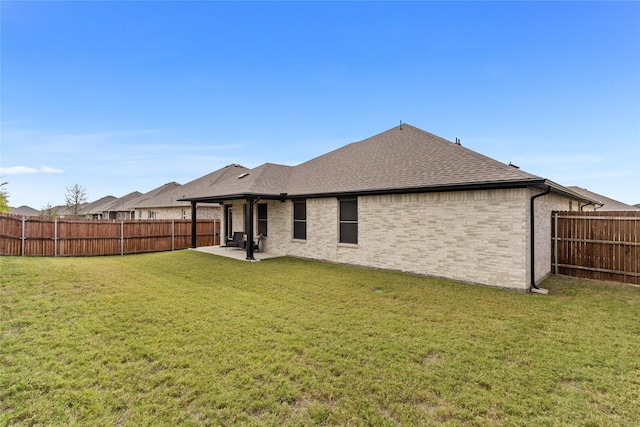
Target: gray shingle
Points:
(399, 159)
(212, 183)
(608, 204)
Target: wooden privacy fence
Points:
(35, 236)
(597, 245)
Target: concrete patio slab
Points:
(235, 253)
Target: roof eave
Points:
(489, 185)
(540, 183)
(567, 192)
(238, 196)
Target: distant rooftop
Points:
(24, 211)
(608, 204)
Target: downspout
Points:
(587, 204)
(533, 237)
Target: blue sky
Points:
(127, 96)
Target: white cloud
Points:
(21, 170)
(47, 169)
(17, 170)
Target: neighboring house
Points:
(24, 211)
(64, 211)
(604, 203)
(166, 204)
(402, 200)
(134, 202)
(120, 208)
(96, 209)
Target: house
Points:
(125, 206)
(24, 211)
(167, 204)
(133, 205)
(402, 200)
(604, 203)
(96, 208)
(120, 208)
(64, 211)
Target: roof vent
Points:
(400, 125)
(458, 141)
(243, 175)
(514, 166)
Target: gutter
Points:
(534, 287)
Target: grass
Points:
(186, 338)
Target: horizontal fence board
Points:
(597, 245)
(606, 242)
(34, 236)
(599, 270)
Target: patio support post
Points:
(250, 202)
(194, 223)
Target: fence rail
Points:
(597, 245)
(35, 236)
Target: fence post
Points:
(121, 237)
(555, 243)
(24, 219)
(55, 237)
(173, 234)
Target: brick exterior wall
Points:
(480, 237)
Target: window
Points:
(262, 219)
(349, 221)
(300, 219)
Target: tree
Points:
(75, 197)
(4, 197)
(49, 211)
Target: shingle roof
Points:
(403, 158)
(130, 204)
(607, 203)
(120, 204)
(97, 206)
(211, 182)
(24, 211)
(268, 178)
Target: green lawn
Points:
(186, 338)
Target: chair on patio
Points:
(237, 241)
(256, 244)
